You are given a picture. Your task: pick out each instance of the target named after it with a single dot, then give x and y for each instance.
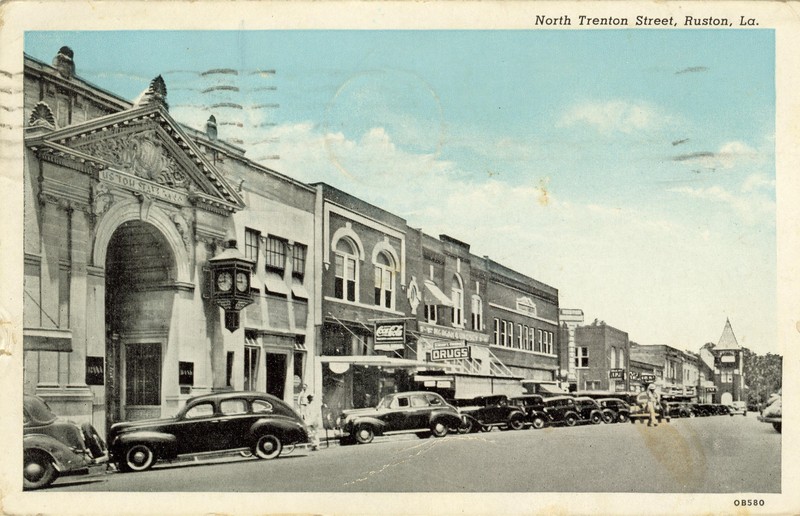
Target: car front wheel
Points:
(438, 429)
(608, 418)
(365, 434)
(37, 470)
(777, 427)
(516, 424)
(465, 427)
(138, 457)
(596, 419)
(571, 419)
(538, 423)
(267, 446)
(622, 417)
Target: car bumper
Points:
(769, 419)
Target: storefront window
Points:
(250, 368)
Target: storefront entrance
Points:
(276, 374)
(138, 307)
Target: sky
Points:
(633, 170)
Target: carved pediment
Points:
(141, 153)
(143, 143)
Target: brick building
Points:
(601, 357)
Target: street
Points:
(718, 454)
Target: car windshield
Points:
(385, 402)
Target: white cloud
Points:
(750, 205)
(615, 116)
(757, 182)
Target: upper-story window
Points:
(384, 280)
(477, 313)
(581, 356)
(346, 282)
(275, 254)
(251, 237)
(496, 331)
(431, 314)
(299, 260)
(612, 357)
(621, 359)
(457, 297)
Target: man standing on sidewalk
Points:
(652, 401)
(304, 404)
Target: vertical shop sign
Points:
(95, 374)
(186, 373)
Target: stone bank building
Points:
(124, 208)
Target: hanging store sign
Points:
(616, 374)
(94, 371)
(634, 375)
(186, 373)
(443, 332)
(390, 332)
(648, 378)
(450, 353)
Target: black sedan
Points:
(419, 412)
(235, 421)
(486, 412)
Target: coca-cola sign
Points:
(386, 332)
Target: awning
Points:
(275, 284)
(46, 339)
(380, 360)
(437, 294)
(298, 290)
(550, 389)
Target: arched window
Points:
(384, 280)
(612, 357)
(346, 282)
(457, 297)
(621, 359)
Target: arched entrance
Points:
(726, 398)
(140, 273)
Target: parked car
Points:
(773, 412)
(590, 411)
(533, 405)
(420, 412)
(678, 409)
(619, 409)
(561, 410)
(486, 412)
(54, 447)
(737, 407)
(720, 409)
(229, 421)
(703, 409)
